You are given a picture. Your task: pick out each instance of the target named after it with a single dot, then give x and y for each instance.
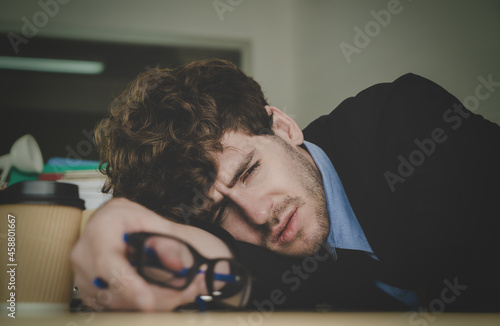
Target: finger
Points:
(168, 253)
(168, 299)
(126, 287)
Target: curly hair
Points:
(155, 145)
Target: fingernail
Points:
(100, 283)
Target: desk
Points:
(251, 318)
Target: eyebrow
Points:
(242, 167)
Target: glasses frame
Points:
(137, 241)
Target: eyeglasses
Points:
(172, 263)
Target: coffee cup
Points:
(39, 225)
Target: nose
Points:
(252, 205)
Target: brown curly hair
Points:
(155, 145)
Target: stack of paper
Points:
(89, 184)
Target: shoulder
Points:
(392, 108)
(385, 95)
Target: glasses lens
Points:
(167, 261)
(230, 283)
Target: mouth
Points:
(287, 229)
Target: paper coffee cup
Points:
(39, 225)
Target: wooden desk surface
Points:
(253, 318)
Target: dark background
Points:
(60, 110)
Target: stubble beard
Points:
(310, 180)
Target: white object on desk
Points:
(24, 155)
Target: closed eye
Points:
(221, 208)
(250, 171)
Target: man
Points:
(389, 181)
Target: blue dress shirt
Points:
(345, 231)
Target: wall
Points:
(450, 42)
(293, 47)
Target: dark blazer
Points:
(422, 174)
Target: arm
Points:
(100, 252)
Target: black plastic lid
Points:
(42, 192)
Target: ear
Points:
(285, 127)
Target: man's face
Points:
(268, 192)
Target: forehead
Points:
(237, 141)
(235, 144)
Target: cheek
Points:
(278, 174)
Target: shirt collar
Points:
(345, 231)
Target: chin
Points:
(304, 247)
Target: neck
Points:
(303, 151)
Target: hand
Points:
(101, 250)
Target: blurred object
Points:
(61, 164)
(52, 65)
(83, 173)
(89, 183)
(25, 155)
(53, 170)
(44, 219)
